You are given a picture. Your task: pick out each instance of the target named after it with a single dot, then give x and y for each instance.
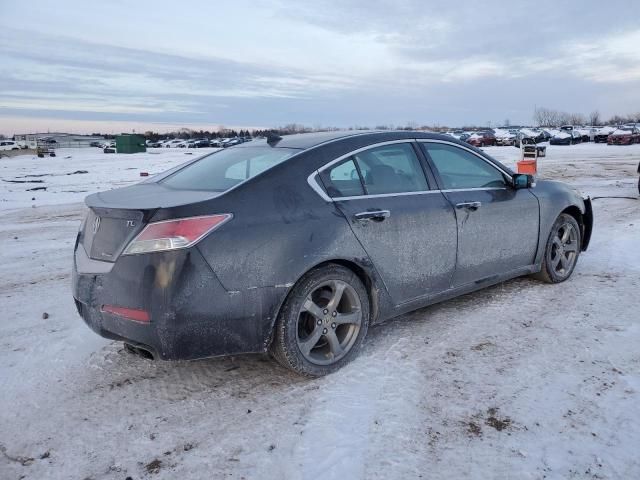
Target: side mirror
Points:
(522, 180)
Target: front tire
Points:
(561, 251)
(322, 323)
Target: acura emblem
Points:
(96, 225)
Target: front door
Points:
(407, 229)
(497, 224)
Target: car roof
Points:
(304, 141)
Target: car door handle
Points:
(375, 215)
(473, 206)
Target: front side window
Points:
(459, 168)
(222, 170)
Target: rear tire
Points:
(561, 251)
(322, 323)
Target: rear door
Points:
(407, 228)
(498, 226)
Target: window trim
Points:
(312, 179)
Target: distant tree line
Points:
(188, 133)
(547, 117)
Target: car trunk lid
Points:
(115, 217)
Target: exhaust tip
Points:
(139, 350)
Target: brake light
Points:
(175, 234)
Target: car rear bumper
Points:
(191, 315)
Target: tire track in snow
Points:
(337, 436)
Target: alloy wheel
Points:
(564, 250)
(329, 322)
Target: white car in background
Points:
(9, 145)
(173, 143)
(587, 134)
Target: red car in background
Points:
(624, 136)
(482, 139)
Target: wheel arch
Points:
(366, 275)
(585, 221)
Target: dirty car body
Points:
(412, 241)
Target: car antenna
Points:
(273, 139)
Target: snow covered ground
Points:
(523, 380)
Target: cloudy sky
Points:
(116, 65)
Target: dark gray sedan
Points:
(295, 245)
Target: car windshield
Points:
(222, 170)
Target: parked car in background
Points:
(587, 134)
(231, 142)
(8, 145)
(567, 135)
(563, 137)
(505, 137)
(109, 147)
(625, 135)
(546, 134)
(459, 135)
(199, 143)
(154, 144)
(575, 133)
(177, 266)
(214, 142)
(602, 134)
(482, 139)
(173, 143)
(528, 136)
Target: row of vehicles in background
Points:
(197, 142)
(109, 146)
(565, 135)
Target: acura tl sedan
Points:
(296, 245)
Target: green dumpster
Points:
(128, 143)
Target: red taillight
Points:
(174, 234)
(141, 316)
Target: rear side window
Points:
(343, 180)
(381, 170)
(223, 170)
(459, 169)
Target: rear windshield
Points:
(226, 168)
